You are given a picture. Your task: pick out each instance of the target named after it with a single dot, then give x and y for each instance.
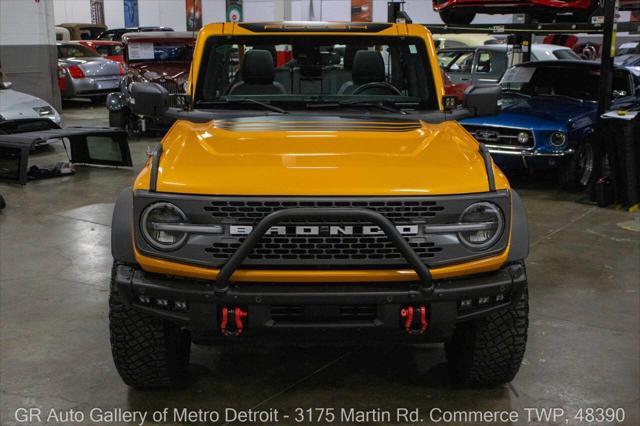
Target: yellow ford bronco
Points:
(316, 187)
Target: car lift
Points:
(626, 176)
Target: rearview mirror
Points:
(148, 99)
(482, 100)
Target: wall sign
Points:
(234, 10)
(97, 11)
(194, 14)
(131, 13)
(361, 10)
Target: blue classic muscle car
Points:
(549, 112)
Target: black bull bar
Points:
(221, 285)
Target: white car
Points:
(16, 105)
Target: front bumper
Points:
(325, 311)
(528, 159)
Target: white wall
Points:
(259, 10)
(72, 11)
(213, 11)
(26, 23)
(27, 47)
(166, 13)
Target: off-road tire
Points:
(488, 351)
(148, 352)
(456, 17)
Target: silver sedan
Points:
(16, 105)
(82, 72)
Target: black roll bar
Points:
(222, 281)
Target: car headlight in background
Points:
(558, 138)
(44, 111)
(523, 137)
(115, 101)
(156, 226)
(486, 225)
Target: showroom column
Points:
(28, 54)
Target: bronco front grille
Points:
(336, 249)
(250, 212)
(327, 247)
(505, 137)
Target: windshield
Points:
(574, 82)
(76, 51)
(566, 54)
(628, 48)
(109, 49)
(304, 68)
(161, 51)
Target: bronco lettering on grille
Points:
(323, 230)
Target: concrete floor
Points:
(583, 351)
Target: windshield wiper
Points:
(550, 95)
(358, 102)
(264, 105)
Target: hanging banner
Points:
(97, 11)
(361, 10)
(131, 13)
(194, 14)
(234, 10)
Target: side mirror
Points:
(7, 85)
(148, 99)
(482, 100)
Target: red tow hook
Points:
(415, 319)
(233, 317)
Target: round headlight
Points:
(489, 225)
(558, 138)
(523, 137)
(115, 101)
(153, 217)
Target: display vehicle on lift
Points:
(302, 201)
(462, 12)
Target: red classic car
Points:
(462, 12)
(162, 57)
(108, 49)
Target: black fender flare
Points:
(122, 228)
(519, 247)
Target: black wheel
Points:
(148, 352)
(577, 172)
(118, 119)
(488, 351)
(456, 18)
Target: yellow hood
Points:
(288, 155)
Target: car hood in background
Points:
(310, 155)
(176, 71)
(16, 105)
(553, 113)
(95, 67)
